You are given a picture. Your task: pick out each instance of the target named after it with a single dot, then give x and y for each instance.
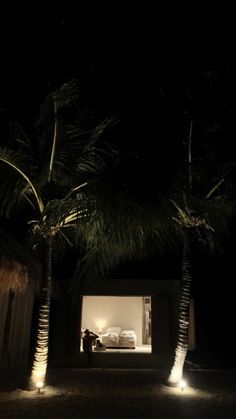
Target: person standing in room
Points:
(89, 339)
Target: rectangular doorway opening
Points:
(123, 324)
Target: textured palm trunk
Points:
(183, 320)
(41, 351)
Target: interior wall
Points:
(105, 311)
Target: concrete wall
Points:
(131, 287)
(106, 311)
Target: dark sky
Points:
(156, 66)
(130, 51)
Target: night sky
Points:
(157, 69)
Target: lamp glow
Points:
(39, 385)
(182, 384)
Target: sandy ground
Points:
(114, 393)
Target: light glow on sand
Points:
(182, 384)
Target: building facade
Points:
(147, 307)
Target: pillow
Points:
(113, 329)
(128, 332)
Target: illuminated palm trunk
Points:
(41, 351)
(183, 320)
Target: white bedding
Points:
(114, 337)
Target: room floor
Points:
(138, 349)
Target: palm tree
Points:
(190, 225)
(193, 220)
(44, 179)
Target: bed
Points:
(115, 337)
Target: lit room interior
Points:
(123, 324)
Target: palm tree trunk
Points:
(41, 351)
(183, 320)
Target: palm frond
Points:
(110, 121)
(16, 164)
(69, 137)
(207, 220)
(224, 174)
(59, 214)
(15, 138)
(121, 231)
